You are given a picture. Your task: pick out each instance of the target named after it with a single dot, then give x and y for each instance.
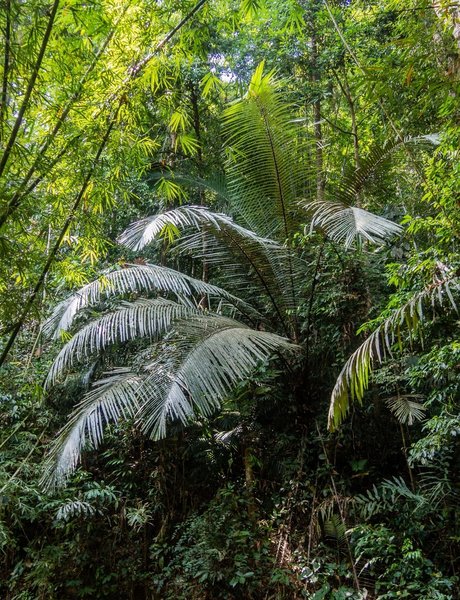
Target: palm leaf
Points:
(140, 319)
(111, 398)
(266, 173)
(248, 261)
(194, 370)
(207, 359)
(354, 181)
(346, 224)
(406, 408)
(133, 278)
(353, 380)
(143, 232)
(216, 185)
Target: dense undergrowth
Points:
(318, 127)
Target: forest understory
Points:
(229, 290)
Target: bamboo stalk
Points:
(29, 90)
(6, 67)
(18, 196)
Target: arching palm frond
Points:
(133, 278)
(143, 232)
(353, 182)
(218, 240)
(266, 173)
(267, 272)
(340, 216)
(347, 224)
(140, 319)
(203, 364)
(192, 373)
(111, 398)
(353, 380)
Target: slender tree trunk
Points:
(354, 124)
(200, 167)
(30, 88)
(249, 479)
(6, 68)
(317, 128)
(345, 89)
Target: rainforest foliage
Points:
(229, 291)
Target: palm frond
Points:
(111, 398)
(140, 319)
(353, 380)
(266, 173)
(143, 232)
(207, 359)
(340, 217)
(194, 370)
(354, 180)
(133, 278)
(253, 262)
(406, 408)
(345, 224)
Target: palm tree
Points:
(202, 339)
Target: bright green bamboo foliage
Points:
(74, 131)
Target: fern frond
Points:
(353, 380)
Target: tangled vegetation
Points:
(229, 287)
